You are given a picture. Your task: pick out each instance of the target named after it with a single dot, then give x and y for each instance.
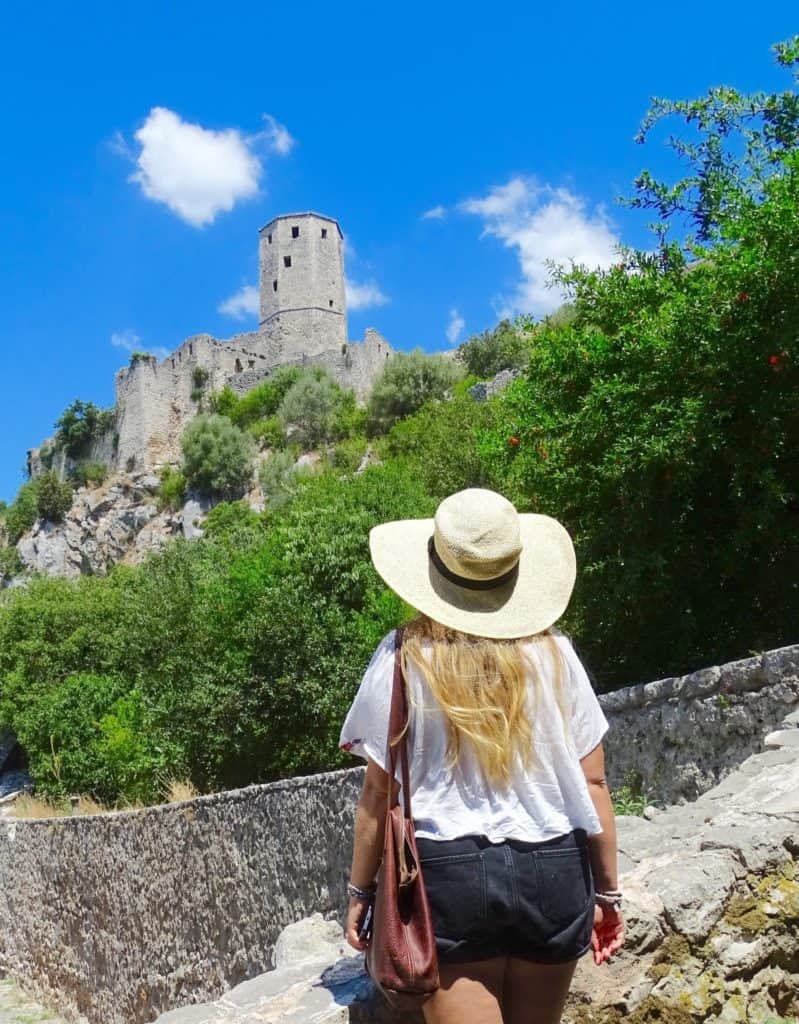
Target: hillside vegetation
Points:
(658, 419)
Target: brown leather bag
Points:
(401, 956)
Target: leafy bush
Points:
(172, 489)
(407, 382)
(268, 433)
(217, 456)
(348, 454)
(276, 476)
(21, 514)
(502, 348)
(53, 497)
(261, 402)
(10, 562)
(79, 424)
(88, 474)
(313, 409)
(231, 520)
(441, 442)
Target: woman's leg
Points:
(535, 993)
(470, 993)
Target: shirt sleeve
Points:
(365, 729)
(588, 722)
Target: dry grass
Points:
(27, 806)
(34, 807)
(180, 789)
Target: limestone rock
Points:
(313, 938)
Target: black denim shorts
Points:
(529, 900)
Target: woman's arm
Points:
(367, 849)
(602, 846)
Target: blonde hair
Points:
(482, 688)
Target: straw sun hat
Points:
(479, 566)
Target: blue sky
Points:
(144, 145)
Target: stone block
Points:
(783, 738)
(694, 889)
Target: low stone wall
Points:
(679, 737)
(122, 916)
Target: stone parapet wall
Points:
(678, 737)
(123, 916)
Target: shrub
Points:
(53, 497)
(348, 454)
(232, 520)
(407, 382)
(502, 348)
(217, 456)
(276, 475)
(10, 562)
(268, 433)
(172, 489)
(87, 473)
(22, 512)
(311, 407)
(261, 402)
(442, 443)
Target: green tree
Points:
(312, 408)
(407, 382)
(505, 347)
(79, 424)
(660, 426)
(217, 456)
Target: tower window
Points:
(330, 303)
(324, 232)
(274, 286)
(269, 239)
(191, 350)
(295, 232)
(287, 261)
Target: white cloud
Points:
(246, 302)
(365, 295)
(436, 213)
(280, 141)
(197, 172)
(455, 326)
(130, 341)
(542, 223)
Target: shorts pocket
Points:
(455, 885)
(565, 886)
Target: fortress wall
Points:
(122, 916)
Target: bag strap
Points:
(397, 721)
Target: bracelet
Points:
(611, 897)
(361, 894)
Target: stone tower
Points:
(302, 284)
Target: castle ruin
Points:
(303, 322)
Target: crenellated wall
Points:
(122, 916)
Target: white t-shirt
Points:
(546, 799)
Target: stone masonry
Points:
(303, 323)
(124, 916)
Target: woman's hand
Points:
(607, 935)
(356, 911)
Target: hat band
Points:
(464, 581)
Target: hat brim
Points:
(532, 601)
